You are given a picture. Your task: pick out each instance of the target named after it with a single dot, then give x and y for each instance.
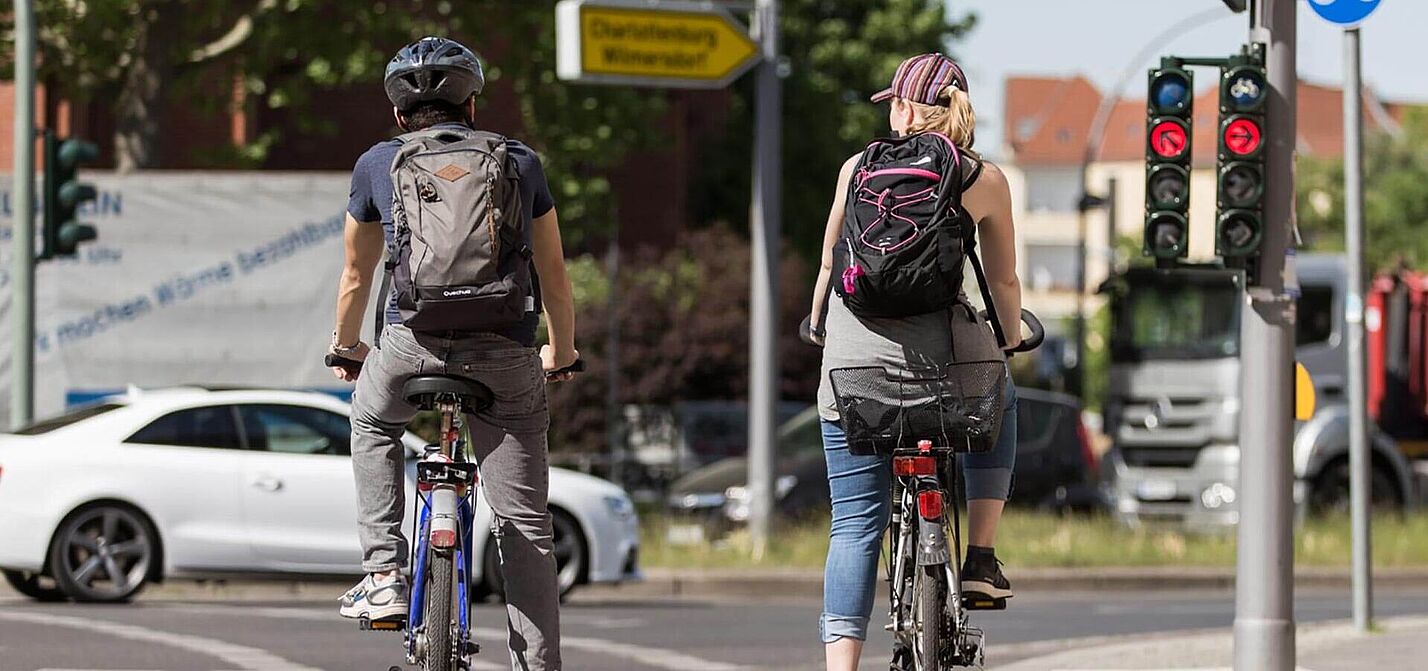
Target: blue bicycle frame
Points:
(422, 548)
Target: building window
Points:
(1051, 267)
(1052, 189)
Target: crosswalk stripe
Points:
(241, 656)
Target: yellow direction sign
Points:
(667, 44)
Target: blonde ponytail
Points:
(956, 119)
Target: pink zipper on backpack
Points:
(915, 172)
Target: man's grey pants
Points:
(509, 443)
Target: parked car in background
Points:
(195, 483)
(1056, 469)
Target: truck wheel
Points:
(1330, 492)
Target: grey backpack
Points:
(459, 259)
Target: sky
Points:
(1099, 38)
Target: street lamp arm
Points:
(1097, 132)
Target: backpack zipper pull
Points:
(850, 279)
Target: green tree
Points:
(1395, 199)
(839, 53)
(147, 54)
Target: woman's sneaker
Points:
(982, 579)
(375, 600)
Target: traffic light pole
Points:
(22, 242)
(763, 327)
(1264, 588)
(1359, 458)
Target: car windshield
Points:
(76, 415)
(1167, 319)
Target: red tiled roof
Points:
(1048, 118)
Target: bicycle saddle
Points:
(422, 391)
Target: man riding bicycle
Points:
(506, 203)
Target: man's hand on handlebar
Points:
(348, 365)
(560, 366)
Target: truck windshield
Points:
(1193, 320)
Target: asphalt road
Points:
(602, 631)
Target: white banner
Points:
(214, 278)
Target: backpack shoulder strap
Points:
(992, 316)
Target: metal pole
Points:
(1359, 494)
(614, 413)
(1112, 211)
(763, 325)
(1264, 590)
(22, 248)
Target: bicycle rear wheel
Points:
(437, 625)
(930, 599)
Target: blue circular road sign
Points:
(1344, 12)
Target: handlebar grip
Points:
(1038, 332)
(807, 334)
(577, 367)
(349, 365)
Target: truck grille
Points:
(1160, 457)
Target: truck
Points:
(1173, 405)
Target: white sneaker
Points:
(375, 600)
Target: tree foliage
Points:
(838, 53)
(145, 54)
(683, 316)
(1395, 200)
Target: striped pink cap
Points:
(922, 79)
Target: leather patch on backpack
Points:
(452, 172)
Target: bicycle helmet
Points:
(433, 68)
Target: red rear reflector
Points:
(443, 538)
(914, 465)
(929, 504)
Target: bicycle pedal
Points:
(983, 603)
(389, 624)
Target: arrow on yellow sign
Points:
(686, 45)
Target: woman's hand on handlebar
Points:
(559, 365)
(345, 370)
(810, 335)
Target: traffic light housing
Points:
(64, 194)
(1170, 111)
(1240, 169)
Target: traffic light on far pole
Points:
(1170, 109)
(1239, 211)
(64, 194)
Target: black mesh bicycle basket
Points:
(957, 406)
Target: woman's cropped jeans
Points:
(860, 487)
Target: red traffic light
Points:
(1169, 139)
(1242, 136)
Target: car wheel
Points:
(1330, 494)
(571, 557)
(103, 552)
(34, 585)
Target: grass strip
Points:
(1037, 540)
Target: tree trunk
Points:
(140, 108)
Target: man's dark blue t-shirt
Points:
(371, 201)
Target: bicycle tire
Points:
(930, 596)
(439, 656)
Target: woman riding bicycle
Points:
(928, 95)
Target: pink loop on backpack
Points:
(850, 279)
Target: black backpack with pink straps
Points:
(905, 234)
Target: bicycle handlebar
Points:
(1038, 332)
(807, 334)
(354, 366)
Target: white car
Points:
(195, 483)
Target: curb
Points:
(797, 583)
(1203, 648)
(809, 583)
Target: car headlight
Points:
(619, 506)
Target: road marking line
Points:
(1211, 668)
(657, 657)
(241, 656)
